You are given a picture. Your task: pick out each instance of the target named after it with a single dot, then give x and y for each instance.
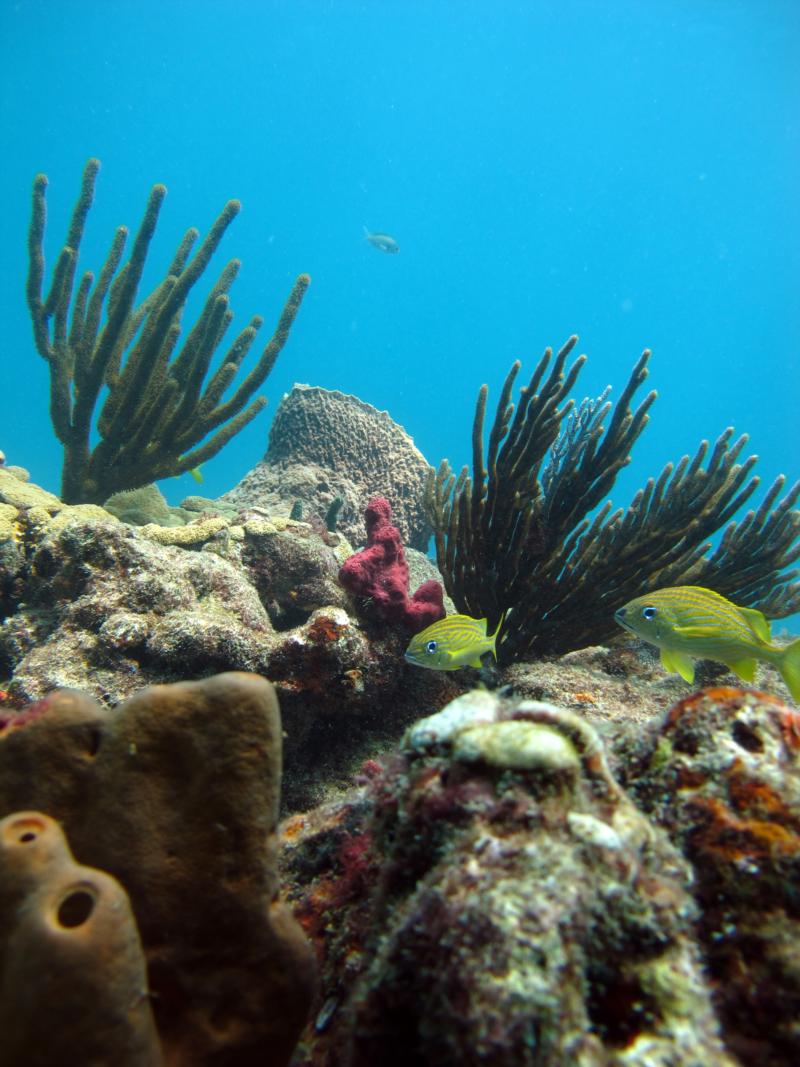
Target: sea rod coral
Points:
(518, 535)
(156, 420)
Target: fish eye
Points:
(649, 613)
(431, 646)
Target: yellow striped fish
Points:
(689, 622)
(453, 642)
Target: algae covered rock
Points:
(499, 900)
(722, 774)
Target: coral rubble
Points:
(91, 603)
(491, 895)
(722, 775)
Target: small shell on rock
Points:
(593, 831)
(516, 745)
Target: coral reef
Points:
(125, 787)
(130, 354)
(378, 575)
(514, 537)
(490, 895)
(175, 795)
(324, 444)
(587, 866)
(91, 603)
(70, 954)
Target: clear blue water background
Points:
(627, 170)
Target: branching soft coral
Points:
(160, 417)
(518, 536)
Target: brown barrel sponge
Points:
(175, 794)
(73, 985)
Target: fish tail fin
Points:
(367, 233)
(493, 638)
(789, 666)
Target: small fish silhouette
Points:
(689, 622)
(382, 241)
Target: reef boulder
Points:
(324, 444)
(491, 895)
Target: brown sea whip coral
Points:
(519, 535)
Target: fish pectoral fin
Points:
(695, 631)
(757, 623)
(677, 663)
(745, 668)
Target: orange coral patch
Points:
(324, 628)
(789, 722)
(727, 837)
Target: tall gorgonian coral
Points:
(518, 535)
(159, 411)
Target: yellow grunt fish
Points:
(453, 642)
(688, 622)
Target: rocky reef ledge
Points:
(89, 602)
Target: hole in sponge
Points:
(76, 908)
(27, 828)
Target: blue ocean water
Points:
(626, 170)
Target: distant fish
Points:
(453, 642)
(382, 241)
(197, 474)
(689, 622)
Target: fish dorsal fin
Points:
(745, 668)
(757, 623)
(677, 663)
(467, 620)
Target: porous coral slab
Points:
(325, 444)
(24, 494)
(175, 794)
(499, 915)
